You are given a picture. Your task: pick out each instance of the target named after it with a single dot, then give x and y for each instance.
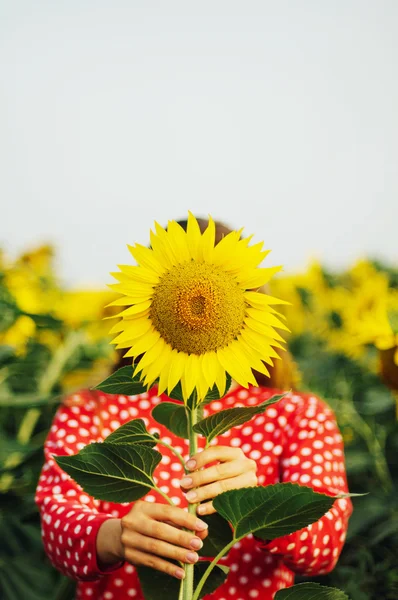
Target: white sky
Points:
(278, 116)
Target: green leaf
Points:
(213, 394)
(224, 420)
(156, 584)
(172, 416)
(122, 381)
(272, 511)
(310, 591)
(220, 535)
(112, 472)
(133, 432)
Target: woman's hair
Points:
(284, 372)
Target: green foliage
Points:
(113, 472)
(220, 535)
(156, 585)
(310, 591)
(122, 381)
(224, 420)
(172, 416)
(272, 511)
(133, 432)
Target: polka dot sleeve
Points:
(313, 456)
(69, 517)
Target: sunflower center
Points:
(197, 307)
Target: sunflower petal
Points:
(146, 257)
(193, 237)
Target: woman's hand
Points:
(150, 534)
(234, 471)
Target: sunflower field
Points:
(344, 342)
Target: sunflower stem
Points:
(192, 417)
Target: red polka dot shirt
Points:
(295, 440)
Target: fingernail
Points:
(180, 573)
(191, 496)
(201, 525)
(201, 509)
(186, 482)
(191, 464)
(196, 543)
(192, 557)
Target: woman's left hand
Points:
(234, 471)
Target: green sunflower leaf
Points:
(220, 535)
(310, 591)
(224, 420)
(133, 432)
(156, 584)
(122, 381)
(272, 511)
(172, 416)
(112, 472)
(213, 394)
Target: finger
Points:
(200, 534)
(221, 471)
(144, 543)
(168, 533)
(221, 453)
(138, 558)
(178, 516)
(212, 490)
(206, 508)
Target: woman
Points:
(100, 543)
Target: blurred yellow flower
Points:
(18, 334)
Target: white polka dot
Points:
(318, 444)
(235, 442)
(302, 435)
(305, 478)
(291, 546)
(271, 412)
(257, 437)
(255, 454)
(144, 404)
(304, 536)
(294, 460)
(247, 430)
(73, 423)
(269, 427)
(131, 592)
(77, 529)
(277, 450)
(254, 593)
(326, 539)
(266, 583)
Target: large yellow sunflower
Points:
(192, 313)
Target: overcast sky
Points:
(278, 116)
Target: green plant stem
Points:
(27, 425)
(211, 567)
(347, 408)
(187, 583)
(58, 362)
(165, 496)
(173, 450)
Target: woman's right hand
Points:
(149, 534)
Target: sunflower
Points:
(192, 315)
